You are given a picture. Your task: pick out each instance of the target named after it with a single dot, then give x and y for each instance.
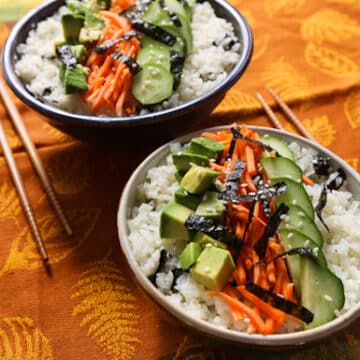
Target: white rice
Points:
(341, 246)
(204, 68)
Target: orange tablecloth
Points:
(89, 307)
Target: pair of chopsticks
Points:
(288, 113)
(39, 168)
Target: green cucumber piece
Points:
(291, 239)
(322, 292)
(178, 8)
(152, 84)
(154, 55)
(282, 167)
(295, 195)
(155, 14)
(278, 145)
(298, 220)
(186, 32)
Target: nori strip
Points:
(177, 61)
(172, 15)
(206, 225)
(66, 56)
(236, 133)
(162, 261)
(336, 180)
(321, 165)
(128, 60)
(303, 251)
(320, 206)
(233, 180)
(177, 272)
(270, 230)
(250, 217)
(263, 194)
(154, 31)
(280, 303)
(101, 49)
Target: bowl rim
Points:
(50, 7)
(232, 336)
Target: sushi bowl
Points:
(209, 323)
(73, 120)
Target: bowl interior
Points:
(128, 200)
(202, 104)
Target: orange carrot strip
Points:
(250, 160)
(240, 306)
(307, 180)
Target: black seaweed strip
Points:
(337, 181)
(233, 179)
(303, 251)
(270, 229)
(321, 165)
(154, 31)
(281, 303)
(130, 62)
(101, 49)
(66, 56)
(237, 135)
(320, 206)
(250, 217)
(162, 261)
(173, 16)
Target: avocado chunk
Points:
(74, 79)
(72, 24)
(92, 29)
(198, 179)
(213, 268)
(205, 146)
(184, 198)
(172, 222)
(210, 206)
(79, 52)
(206, 240)
(183, 160)
(189, 255)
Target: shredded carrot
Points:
(307, 180)
(248, 221)
(109, 79)
(254, 317)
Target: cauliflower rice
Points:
(204, 68)
(341, 246)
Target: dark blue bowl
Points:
(86, 126)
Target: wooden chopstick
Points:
(22, 194)
(34, 157)
(272, 117)
(38, 166)
(291, 116)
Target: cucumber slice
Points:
(295, 195)
(322, 292)
(155, 55)
(278, 145)
(179, 46)
(152, 85)
(291, 239)
(178, 8)
(298, 220)
(186, 32)
(155, 14)
(282, 167)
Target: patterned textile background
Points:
(89, 307)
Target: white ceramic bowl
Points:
(276, 341)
